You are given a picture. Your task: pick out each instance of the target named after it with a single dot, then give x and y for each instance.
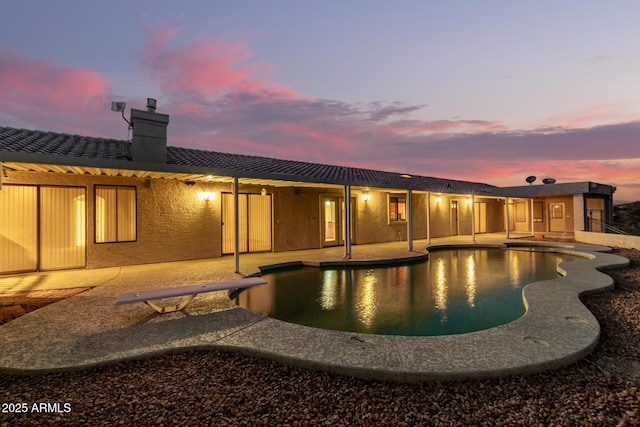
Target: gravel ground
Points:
(218, 388)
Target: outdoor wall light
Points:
(206, 195)
(468, 201)
(365, 197)
(438, 199)
(263, 192)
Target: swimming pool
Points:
(456, 291)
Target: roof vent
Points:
(151, 105)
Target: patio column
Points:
(429, 217)
(236, 227)
(532, 224)
(410, 220)
(473, 218)
(506, 206)
(347, 222)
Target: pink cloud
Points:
(587, 117)
(44, 93)
(204, 67)
(511, 173)
(319, 142)
(218, 98)
(417, 127)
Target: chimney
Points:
(149, 134)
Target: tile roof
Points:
(41, 142)
(51, 143)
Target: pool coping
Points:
(556, 330)
(87, 330)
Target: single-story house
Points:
(69, 201)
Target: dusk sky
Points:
(487, 91)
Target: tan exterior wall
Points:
(570, 213)
(608, 239)
(440, 221)
(521, 212)
(578, 213)
(465, 215)
(297, 218)
(373, 225)
(495, 215)
(419, 216)
(172, 223)
(541, 227)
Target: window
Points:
(557, 211)
(115, 214)
(397, 209)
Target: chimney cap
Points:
(151, 105)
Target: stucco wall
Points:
(495, 215)
(172, 223)
(608, 239)
(296, 218)
(569, 213)
(525, 215)
(440, 222)
(373, 225)
(578, 212)
(419, 216)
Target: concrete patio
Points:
(88, 330)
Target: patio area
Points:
(88, 330)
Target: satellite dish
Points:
(548, 181)
(531, 179)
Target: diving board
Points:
(189, 291)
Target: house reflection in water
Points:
(456, 291)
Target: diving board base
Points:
(171, 308)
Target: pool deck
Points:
(88, 330)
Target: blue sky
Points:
(488, 91)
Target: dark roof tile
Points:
(51, 143)
(41, 142)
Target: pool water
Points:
(455, 291)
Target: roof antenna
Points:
(119, 106)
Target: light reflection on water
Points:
(456, 291)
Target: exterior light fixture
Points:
(263, 192)
(438, 199)
(206, 195)
(468, 201)
(365, 197)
